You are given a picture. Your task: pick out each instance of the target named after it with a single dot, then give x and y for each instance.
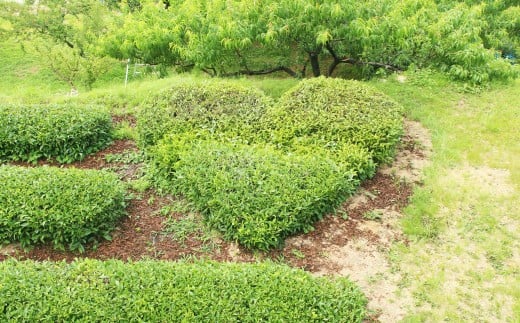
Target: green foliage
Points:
(145, 36)
(66, 207)
(64, 34)
(126, 157)
(124, 130)
(459, 48)
(225, 37)
(151, 291)
(66, 132)
(259, 172)
(499, 25)
(331, 113)
(255, 194)
(212, 106)
(71, 65)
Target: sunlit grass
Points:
(463, 262)
(23, 78)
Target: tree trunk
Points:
(315, 64)
(333, 66)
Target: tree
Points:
(64, 33)
(232, 37)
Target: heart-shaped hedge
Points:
(333, 112)
(261, 172)
(254, 194)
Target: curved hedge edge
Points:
(338, 111)
(215, 106)
(65, 132)
(66, 207)
(256, 195)
(91, 290)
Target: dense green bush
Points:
(332, 112)
(254, 194)
(66, 132)
(68, 207)
(261, 172)
(113, 291)
(215, 106)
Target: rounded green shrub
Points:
(152, 291)
(66, 132)
(260, 172)
(67, 207)
(215, 106)
(334, 112)
(254, 194)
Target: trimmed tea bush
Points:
(148, 291)
(213, 106)
(255, 195)
(67, 207)
(337, 111)
(65, 132)
(260, 172)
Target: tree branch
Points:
(210, 71)
(68, 43)
(242, 59)
(336, 60)
(263, 72)
(331, 51)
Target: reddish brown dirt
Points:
(128, 118)
(141, 233)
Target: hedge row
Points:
(67, 207)
(65, 132)
(260, 171)
(213, 106)
(335, 112)
(255, 195)
(113, 291)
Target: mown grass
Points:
(23, 77)
(26, 79)
(463, 263)
(123, 98)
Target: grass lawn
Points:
(463, 261)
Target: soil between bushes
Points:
(367, 217)
(141, 234)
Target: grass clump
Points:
(65, 132)
(66, 207)
(212, 106)
(256, 195)
(110, 291)
(333, 112)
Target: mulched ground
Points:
(142, 233)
